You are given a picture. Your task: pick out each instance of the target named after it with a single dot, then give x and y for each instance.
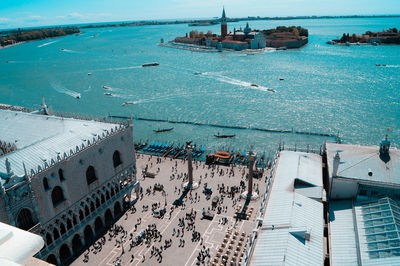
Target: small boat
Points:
(271, 90)
(380, 65)
(151, 64)
(107, 94)
(95, 35)
(128, 103)
(106, 88)
(254, 85)
(163, 130)
(281, 79)
(198, 73)
(89, 74)
(224, 136)
(78, 96)
(62, 49)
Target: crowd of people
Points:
(151, 237)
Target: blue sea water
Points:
(326, 88)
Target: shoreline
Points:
(11, 45)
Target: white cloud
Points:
(75, 15)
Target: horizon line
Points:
(187, 20)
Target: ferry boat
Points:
(151, 64)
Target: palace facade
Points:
(65, 179)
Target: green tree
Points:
(295, 31)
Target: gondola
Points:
(163, 130)
(224, 136)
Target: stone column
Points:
(250, 184)
(190, 168)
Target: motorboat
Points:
(151, 64)
(380, 65)
(78, 96)
(198, 73)
(281, 79)
(254, 85)
(224, 136)
(128, 103)
(106, 88)
(89, 74)
(163, 130)
(107, 94)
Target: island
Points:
(19, 36)
(281, 38)
(389, 36)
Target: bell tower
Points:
(224, 26)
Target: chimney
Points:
(384, 146)
(336, 161)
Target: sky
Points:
(33, 13)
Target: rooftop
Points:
(357, 161)
(365, 233)
(292, 231)
(16, 245)
(42, 140)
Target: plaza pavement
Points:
(223, 239)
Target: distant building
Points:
(245, 39)
(224, 26)
(64, 179)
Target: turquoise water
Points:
(325, 89)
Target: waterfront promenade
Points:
(181, 236)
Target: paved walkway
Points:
(219, 239)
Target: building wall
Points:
(235, 45)
(258, 42)
(343, 189)
(75, 187)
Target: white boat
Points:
(107, 94)
(78, 96)
(106, 88)
(89, 74)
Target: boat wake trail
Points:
(45, 44)
(236, 82)
(69, 51)
(66, 91)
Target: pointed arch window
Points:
(116, 159)
(57, 196)
(90, 175)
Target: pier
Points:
(189, 48)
